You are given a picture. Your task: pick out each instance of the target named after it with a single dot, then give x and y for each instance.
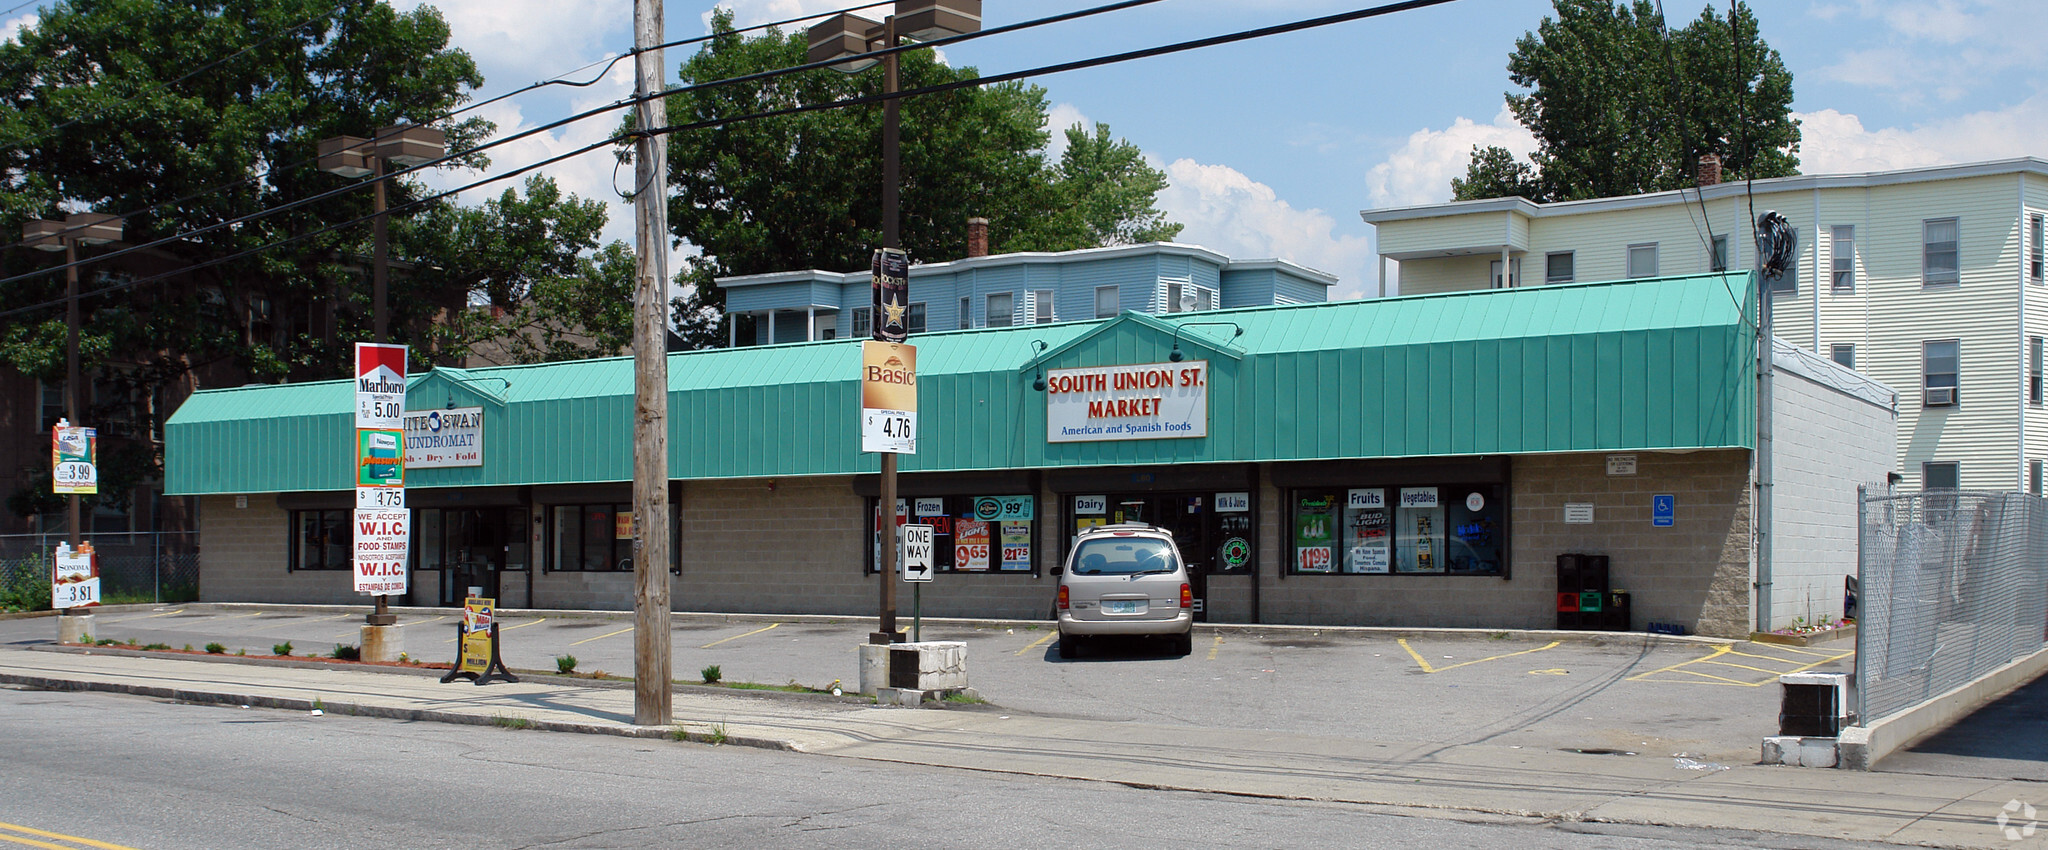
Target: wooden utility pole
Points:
(653, 702)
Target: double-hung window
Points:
(1557, 267)
(1642, 260)
(1107, 302)
(1940, 360)
(1041, 307)
(1843, 353)
(2035, 249)
(2034, 354)
(966, 313)
(1000, 312)
(1717, 259)
(860, 322)
(1939, 260)
(1843, 244)
(913, 319)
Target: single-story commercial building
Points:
(1407, 461)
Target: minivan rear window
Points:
(1124, 556)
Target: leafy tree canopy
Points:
(804, 191)
(1619, 106)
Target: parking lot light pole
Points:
(845, 35)
(404, 145)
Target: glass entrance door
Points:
(478, 545)
(1210, 540)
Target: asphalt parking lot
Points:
(1621, 693)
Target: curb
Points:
(196, 697)
(1821, 638)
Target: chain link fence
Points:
(1954, 585)
(134, 567)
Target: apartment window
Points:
(590, 538)
(1001, 313)
(1938, 258)
(913, 320)
(322, 540)
(966, 313)
(1717, 259)
(52, 395)
(1946, 475)
(1557, 267)
(860, 322)
(2034, 478)
(2034, 370)
(1642, 260)
(1514, 274)
(1173, 293)
(1107, 303)
(1205, 299)
(1843, 353)
(1843, 242)
(2034, 248)
(1939, 361)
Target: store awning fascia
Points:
(1665, 363)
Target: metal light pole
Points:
(848, 35)
(404, 145)
(75, 230)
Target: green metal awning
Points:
(1664, 363)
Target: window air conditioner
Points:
(1941, 396)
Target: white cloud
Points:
(748, 13)
(1946, 49)
(1836, 142)
(1227, 211)
(516, 42)
(1057, 120)
(1420, 171)
(11, 30)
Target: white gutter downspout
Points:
(1816, 268)
(2021, 343)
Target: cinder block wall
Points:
(1831, 432)
(1696, 572)
(245, 553)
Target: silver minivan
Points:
(1125, 579)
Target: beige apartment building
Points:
(1929, 280)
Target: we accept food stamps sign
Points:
(382, 523)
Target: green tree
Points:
(1620, 106)
(804, 191)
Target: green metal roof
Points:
(1640, 364)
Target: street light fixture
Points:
(406, 146)
(844, 35)
(75, 230)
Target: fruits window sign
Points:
(1146, 401)
(75, 581)
(1431, 530)
(74, 459)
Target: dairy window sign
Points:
(1146, 401)
(453, 437)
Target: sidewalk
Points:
(1646, 788)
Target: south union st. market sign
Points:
(1145, 401)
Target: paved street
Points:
(1627, 693)
(226, 778)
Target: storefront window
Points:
(322, 540)
(1412, 530)
(972, 534)
(590, 538)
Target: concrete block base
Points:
(941, 664)
(382, 643)
(73, 629)
(1794, 751)
(900, 696)
(874, 667)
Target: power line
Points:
(1046, 70)
(259, 174)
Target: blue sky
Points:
(1274, 146)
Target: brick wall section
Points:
(1695, 573)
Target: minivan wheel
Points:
(1069, 646)
(1185, 643)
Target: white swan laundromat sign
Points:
(1145, 401)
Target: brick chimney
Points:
(1710, 169)
(977, 237)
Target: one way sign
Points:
(917, 552)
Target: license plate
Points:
(1122, 606)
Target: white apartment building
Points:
(1929, 280)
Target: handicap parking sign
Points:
(1663, 507)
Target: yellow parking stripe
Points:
(59, 836)
(502, 629)
(1215, 646)
(34, 843)
(1034, 644)
(737, 637)
(1686, 668)
(1426, 668)
(602, 636)
(148, 617)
